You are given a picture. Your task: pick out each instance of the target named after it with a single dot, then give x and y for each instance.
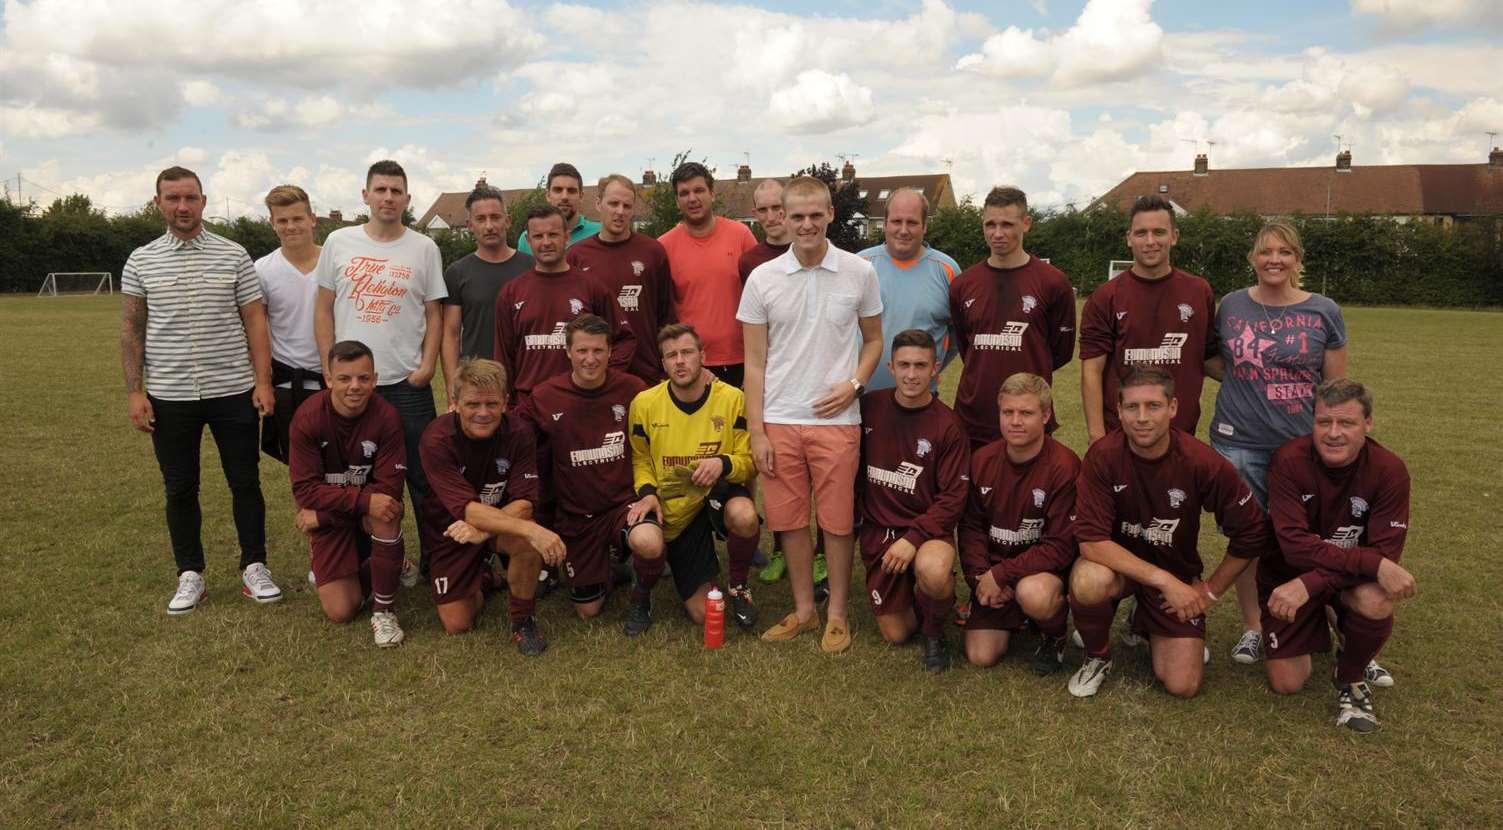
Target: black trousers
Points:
(178, 439)
(415, 405)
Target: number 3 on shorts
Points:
(441, 585)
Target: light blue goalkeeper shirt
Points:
(915, 295)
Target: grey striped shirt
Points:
(195, 341)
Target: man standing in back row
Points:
(474, 281)
(704, 252)
(564, 190)
(1013, 313)
(1153, 314)
(289, 281)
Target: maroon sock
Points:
(386, 571)
(1057, 625)
(648, 572)
(365, 579)
(933, 614)
(520, 609)
(1361, 640)
(1094, 622)
(740, 550)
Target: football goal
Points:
(1116, 267)
(77, 282)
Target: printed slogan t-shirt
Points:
(379, 292)
(1274, 359)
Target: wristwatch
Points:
(858, 386)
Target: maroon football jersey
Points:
(336, 463)
(531, 312)
(1019, 518)
(635, 271)
(495, 472)
(1152, 508)
(1334, 527)
(1008, 320)
(1168, 322)
(583, 434)
(758, 255)
(912, 475)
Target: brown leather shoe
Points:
(837, 637)
(789, 627)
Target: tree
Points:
(845, 231)
(517, 212)
(957, 232)
(662, 202)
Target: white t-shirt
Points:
(813, 330)
(379, 291)
(290, 297)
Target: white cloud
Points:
(1432, 13)
(820, 102)
(31, 121)
(200, 93)
(191, 155)
(1364, 85)
(1112, 40)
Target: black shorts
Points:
(715, 503)
(731, 373)
(691, 554)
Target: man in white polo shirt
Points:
(383, 284)
(290, 288)
(812, 324)
(195, 352)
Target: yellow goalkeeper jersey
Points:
(668, 437)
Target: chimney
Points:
(743, 173)
(1344, 161)
(847, 172)
(1495, 159)
(649, 178)
(336, 216)
(1202, 165)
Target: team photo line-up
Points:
(616, 403)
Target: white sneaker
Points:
(1076, 640)
(410, 574)
(1131, 639)
(1205, 656)
(312, 580)
(1087, 681)
(190, 592)
(386, 630)
(1378, 676)
(255, 582)
(1248, 648)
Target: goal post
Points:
(1116, 267)
(77, 282)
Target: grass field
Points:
(112, 714)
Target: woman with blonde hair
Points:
(1277, 343)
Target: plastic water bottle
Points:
(715, 619)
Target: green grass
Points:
(114, 715)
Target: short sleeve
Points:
(326, 266)
(453, 283)
(1096, 335)
(752, 309)
(433, 268)
(871, 291)
(130, 279)
(1337, 337)
(247, 281)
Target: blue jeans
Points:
(415, 406)
(1252, 465)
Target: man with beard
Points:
(475, 280)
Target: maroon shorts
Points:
(455, 570)
(890, 593)
(337, 552)
(1150, 620)
(1307, 633)
(1009, 617)
(591, 542)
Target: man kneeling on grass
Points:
(1017, 539)
(1340, 507)
(1137, 503)
(482, 469)
(347, 460)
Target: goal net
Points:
(77, 282)
(1116, 267)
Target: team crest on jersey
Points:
(1176, 497)
(1185, 312)
(368, 447)
(924, 447)
(575, 306)
(619, 411)
(718, 422)
(1038, 497)
(637, 268)
(1359, 506)
(502, 465)
(1029, 303)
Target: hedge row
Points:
(1354, 259)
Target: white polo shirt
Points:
(813, 318)
(290, 298)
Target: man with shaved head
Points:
(767, 203)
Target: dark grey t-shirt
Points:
(473, 286)
(1274, 359)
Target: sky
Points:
(1064, 99)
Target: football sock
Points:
(1362, 638)
(740, 550)
(1094, 622)
(1057, 625)
(934, 614)
(648, 572)
(386, 571)
(365, 578)
(519, 609)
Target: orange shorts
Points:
(812, 460)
